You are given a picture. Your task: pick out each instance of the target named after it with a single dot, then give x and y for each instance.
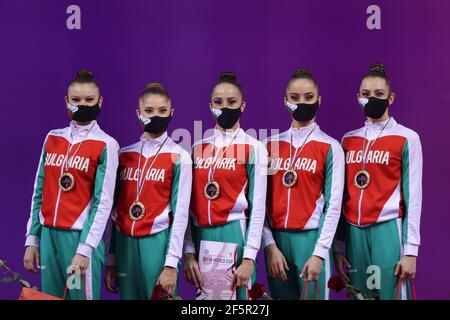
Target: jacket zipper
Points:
(288, 208)
(359, 206)
(132, 229)
(57, 199)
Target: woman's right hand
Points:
(111, 279)
(191, 270)
(31, 255)
(340, 261)
(276, 262)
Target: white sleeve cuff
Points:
(84, 249)
(32, 241)
(250, 253)
(321, 251)
(411, 250)
(267, 236)
(268, 242)
(171, 261)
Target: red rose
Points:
(336, 283)
(159, 293)
(257, 291)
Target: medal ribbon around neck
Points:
(69, 148)
(66, 181)
(296, 154)
(289, 178)
(369, 146)
(362, 177)
(141, 176)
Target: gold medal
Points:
(362, 179)
(212, 190)
(66, 181)
(289, 178)
(136, 211)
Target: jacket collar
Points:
(378, 126)
(302, 132)
(154, 142)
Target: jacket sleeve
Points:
(339, 238)
(103, 197)
(189, 246)
(257, 191)
(267, 235)
(34, 225)
(412, 163)
(180, 199)
(333, 190)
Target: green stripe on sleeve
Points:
(251, 187)
(98, 190)
(405, 189)
(174, 195)
(327, 187)
(35, 228)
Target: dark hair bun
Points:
(155, 86)
(228, 76)
(378, 68)
(84, 75)
(302, 73)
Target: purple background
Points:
(185, 45)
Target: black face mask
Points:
(303, 111)
(226, 117)
(155, 124)
(83, 113)
(373, 107)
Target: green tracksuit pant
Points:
(57, 249)
(373, 253)
(139, 263)
(297, 247)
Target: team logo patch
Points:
(216, 112)
(72, 108)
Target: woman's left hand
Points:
(168, 280)
(81, 263)
(312, 268)
(406, 268)
(243, 274)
